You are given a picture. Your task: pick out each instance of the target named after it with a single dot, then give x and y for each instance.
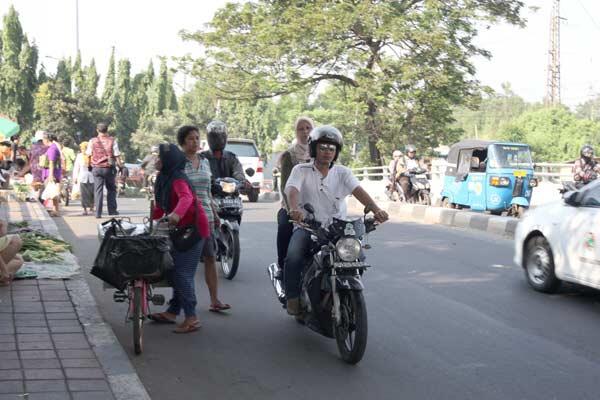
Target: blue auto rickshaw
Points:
(489, 176)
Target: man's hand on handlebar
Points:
(296, 215)
(380, 215)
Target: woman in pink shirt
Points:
(175, 199)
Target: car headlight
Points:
(227, 187)
(348, 249)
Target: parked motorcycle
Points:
(331, 298)
(226, 193)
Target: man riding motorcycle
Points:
(325, 186)
(585, 169)
(409, 163)
(223, 163)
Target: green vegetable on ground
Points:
(42, 247)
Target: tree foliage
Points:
(405, 63)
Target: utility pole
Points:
(553, 80)
(77, 25)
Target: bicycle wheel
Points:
(138, 320)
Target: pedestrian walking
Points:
(51, 173)
(105, 158)
(175, 198)
(83, 177)
(197, 170)
(38, 148)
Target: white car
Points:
(247, 153)
(559, 241)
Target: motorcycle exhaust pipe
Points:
(273, 271)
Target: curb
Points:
(500, 226)
(122, 377)
(269, 197)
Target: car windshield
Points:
(242, 149)
(510, 156)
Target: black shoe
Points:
(115, 214)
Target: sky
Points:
(145, 29)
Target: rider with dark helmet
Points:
(223, 163)
(586, 169)
(325, 185)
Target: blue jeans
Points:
(298, 255)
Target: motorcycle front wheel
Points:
(425, 198)
(230, 261)
(351, 334)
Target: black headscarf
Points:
(173, 165)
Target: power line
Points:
(589, 15)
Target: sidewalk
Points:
(53, 342)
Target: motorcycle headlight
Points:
(227, 187)
(348, 249)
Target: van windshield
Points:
(242, 149)
(510, 156)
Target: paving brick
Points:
(41, 364)
(37, 354)
(63, 322)
(11, 387)
(53, 373)
(72, 344)
(62, 354)
(7, 346)
(81, 385)
(7, 338)
(50, 396)
(6, 308)
(13, 375)
(80, 363)
(66, 329)
(7, 329)
(92, 396)
(33, 323)
(44, 386)
(8, 355)
(6, 317)
(30, 317)
(44, 345)
(32, 337)
(61, 337)
(11, 397)
(61, 316)
(26, 297)
(28, 307)
(84, 373)
(31, 329)
(9, 364)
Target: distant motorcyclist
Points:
(585, 169)
(148, 162)
(223, 163)
(325, 185)
(409, 164)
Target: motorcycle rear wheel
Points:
(230, 262)
(351, 334)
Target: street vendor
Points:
(10, 260)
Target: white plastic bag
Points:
(76, 191)
(51, 191)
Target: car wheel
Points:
(539, 266)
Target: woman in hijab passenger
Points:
(175, 198)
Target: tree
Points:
(63, 76)
(28, 59)
(158, 99)
(91, 79)
(55, 108)
(125, 116)
(405, 63)
(78, 75)
(156, 130)
(554, 134)
(590, 109)
(108, 96)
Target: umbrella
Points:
(8, 127)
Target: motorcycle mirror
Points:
(309, 208)
(249, 172)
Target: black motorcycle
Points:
(331, 299)
(419, 187)
(226, 193)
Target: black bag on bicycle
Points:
(140, 257)
(103, 267)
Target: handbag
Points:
(185, 237)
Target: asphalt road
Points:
(450, 317)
